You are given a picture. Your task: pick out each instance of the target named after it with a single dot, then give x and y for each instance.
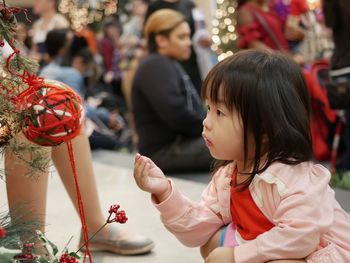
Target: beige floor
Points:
(116, 185)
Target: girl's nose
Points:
(206, 123)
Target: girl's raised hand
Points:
(150, 178)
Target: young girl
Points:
(276, 202)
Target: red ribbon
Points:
(80, 202)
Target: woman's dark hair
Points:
(337, 14)
(152, 45)
(269, 93)
(331, 11)
(241, 2)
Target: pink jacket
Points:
(309, 222)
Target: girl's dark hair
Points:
(269, 93)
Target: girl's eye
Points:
(219, 113)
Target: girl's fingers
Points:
(142, 168)
(138, 170)
(138, 162)
(142, 171)
(146, 170)
(152, 164)
(137, 157)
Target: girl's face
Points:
(223, 134)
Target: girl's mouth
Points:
(207, 142)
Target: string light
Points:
(81, 13)
(224, 28)
(314, 4)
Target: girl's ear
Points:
(161, 41)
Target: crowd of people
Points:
(145, 88)
(100, 63)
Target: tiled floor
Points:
(116, 185)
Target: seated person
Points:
(167, 109)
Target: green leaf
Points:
(48, 243)
(74, 255)
(6, 255)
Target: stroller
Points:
(326, 123)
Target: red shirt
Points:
(298, 7)
(249, 219)
(257, 31)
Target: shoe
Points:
(120, 243)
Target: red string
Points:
(34, 82)
(80, 202)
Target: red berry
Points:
(2, 232)
(114, 209)
(65, 258)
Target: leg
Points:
(213, 243)
(110, 238)
(224, 237)
(28, 191)
(86, 179)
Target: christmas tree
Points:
(84, 12)
(13, 69)
(224, 28)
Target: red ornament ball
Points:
(53, 113)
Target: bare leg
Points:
(28, 191)
(86, 179)
(32, 191)
(19, 189)
(213, 243)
